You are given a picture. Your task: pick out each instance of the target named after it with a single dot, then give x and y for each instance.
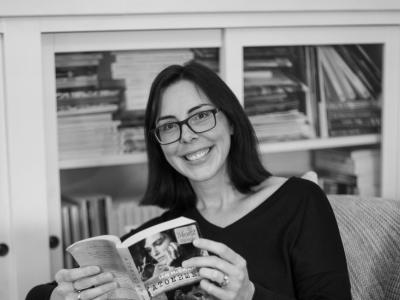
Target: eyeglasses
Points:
(171, 132)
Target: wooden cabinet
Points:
(29, 159)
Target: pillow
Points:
(393, 284)
(310, 175)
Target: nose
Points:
(187, 135)
(154, 252)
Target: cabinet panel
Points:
(26, 154)
(7, 276)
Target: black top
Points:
(290, 241)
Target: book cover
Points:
(147, 265)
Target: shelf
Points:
(300, 145)
(103, 161)
(336, 142)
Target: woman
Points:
(160, 254)
(271, 237)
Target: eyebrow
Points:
(189, 111)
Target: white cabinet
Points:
(29, 160)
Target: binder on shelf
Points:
(94, 211)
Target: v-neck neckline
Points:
(268, 201)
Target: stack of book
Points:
(77, 70)
(85, 107)
(350, 85)
(274, 98)
(349, 171)
(88, 131)
(138, 69)
(131, 131)
(129, 214)
(85, 216)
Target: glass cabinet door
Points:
(98, 85)
(316, 95)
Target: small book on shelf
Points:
(148, 264)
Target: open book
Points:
(147, 265)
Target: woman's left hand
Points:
(225, 273)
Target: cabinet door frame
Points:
(237, 38)
(26, 155)
(98, 41)
(8, 276)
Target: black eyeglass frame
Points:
(214, 111)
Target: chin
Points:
(202, 175)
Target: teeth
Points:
(197, 155)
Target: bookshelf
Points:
(28, 115)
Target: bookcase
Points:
(32, 175)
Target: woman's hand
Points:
(225, 273)
(82, 284)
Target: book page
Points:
(103, 253)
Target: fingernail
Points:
(196, 242)
(184, 264)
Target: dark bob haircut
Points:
(166, 187)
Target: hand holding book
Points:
(84, 282)
(149, 263)
(224, 274)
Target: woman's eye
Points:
(202, 115)
(159, 241)
(167, 127)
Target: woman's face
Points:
(198, 156)
(157, 246)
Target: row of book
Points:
(337, 89)
(90, 215)
(349, 170)
(82, 217)
(350, 84)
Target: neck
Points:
(215, 195)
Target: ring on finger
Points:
(225, 281)
(79, 294)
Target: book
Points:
(349, 170)
(93, 213)
(148, 264)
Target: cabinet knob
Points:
(54, 241)
(4, 249)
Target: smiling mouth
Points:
(197, 155)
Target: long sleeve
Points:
(319, 264)
(261, 293)
(41, 292)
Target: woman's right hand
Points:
(83, 283)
